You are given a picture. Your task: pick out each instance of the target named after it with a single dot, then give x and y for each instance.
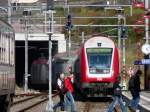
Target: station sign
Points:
(142, 62)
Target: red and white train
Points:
(97, 66)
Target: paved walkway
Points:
(144, 104)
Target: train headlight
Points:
(112, 72)
(92, 70)
(106, 71)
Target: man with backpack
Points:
(117, 91)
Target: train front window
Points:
(99, 60)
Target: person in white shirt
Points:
(60, 86)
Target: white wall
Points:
(44, 37)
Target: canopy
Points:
(24, 1)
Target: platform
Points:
(144, 104)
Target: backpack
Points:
(117, 89)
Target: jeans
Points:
(134, 102)
(69, 101)
(60, 103)
(117, 100)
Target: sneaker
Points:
(137, 110)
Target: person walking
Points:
(69, 99)
(134, 88)
(60, 87)
(117, 91)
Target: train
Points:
(95, 66)
(39, 73)
(7, 65)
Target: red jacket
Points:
(68, 84)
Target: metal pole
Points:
(124, 59)
(9, 11)
(26, 56)
(131, 10)
(49, 107)
(124, 48)
(69, 43)
(68, 9)
(45, 22)
(147, 67)
(66, 3)
(82, 37)
(65, 6)
(119, 41)
(146, 23)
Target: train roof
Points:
(98, 40)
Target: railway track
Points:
(29, 102)
(92, 107)
(98, 106)
(34, 103)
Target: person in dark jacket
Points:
(60, 87)
(117, 97)
(134, 88)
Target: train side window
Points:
(4, 48)
(5, 57)
(12, 50)
(0, 48)
(0, 55)
(7, 49)
(0, 81)
(11, 47)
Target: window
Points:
(99, 60)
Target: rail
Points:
(37, 99)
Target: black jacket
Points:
(117, 89)
(134, 83)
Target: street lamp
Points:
(50, 12)
(26, 13)
(49, 107)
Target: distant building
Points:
(57, 38)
